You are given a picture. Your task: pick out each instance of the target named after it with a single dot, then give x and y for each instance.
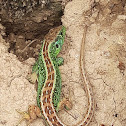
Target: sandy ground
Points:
(105, 59)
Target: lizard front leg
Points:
(60, 61)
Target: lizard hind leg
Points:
(64, 103)
(31, 115)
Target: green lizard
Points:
(47, 73)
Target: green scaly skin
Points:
(39, 68)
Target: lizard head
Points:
(56, 45)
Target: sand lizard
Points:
(47, 73)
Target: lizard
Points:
(47, 73)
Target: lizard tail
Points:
(87, 85)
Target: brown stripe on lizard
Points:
(47, 91)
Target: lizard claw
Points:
(32, 114)
(25, 116)
(32, 78)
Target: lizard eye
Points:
(57, 45)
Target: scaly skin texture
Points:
(50, 93)
(49, 80)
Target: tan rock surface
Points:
(105, 61)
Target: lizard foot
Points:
(65, 103)
(32, 114)
(32, 78)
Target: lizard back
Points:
(50, 93)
